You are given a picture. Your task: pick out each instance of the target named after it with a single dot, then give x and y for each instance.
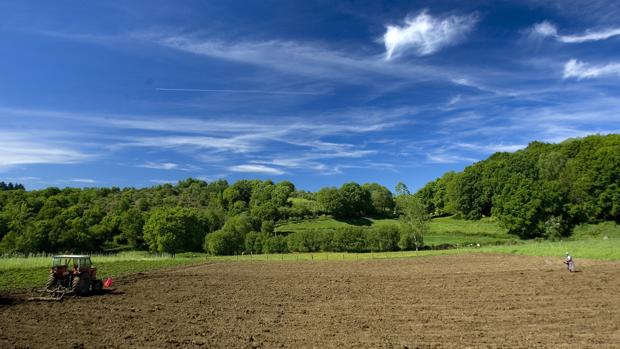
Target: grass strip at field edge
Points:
(23, 279)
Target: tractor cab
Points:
(72, 264)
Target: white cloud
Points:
(579, 70)
(159, 165)
(83, 180)
(454, 100)
(439, 158)
(234, 144)
(544, 29)
(426, 34)
(547, 29)
(304, 59)
(491, 148)
(254, 168)
(32, 148)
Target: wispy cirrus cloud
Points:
(425, 34)
(36, 148)
(580, 70)
(548, 29)
(83, 180)
(256, 168)
(234, 145)
(311, 59)
(159, 165)
(445, 158)
(300, 141)
(491, 148)
(272, 92)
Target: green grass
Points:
(22, 273)
(590, 249)
(332, 256)
(596, 231)
(443, 230)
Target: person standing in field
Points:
(570, 264)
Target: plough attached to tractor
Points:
(80, 280)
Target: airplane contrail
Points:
(239, 91)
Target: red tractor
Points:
(70, 274)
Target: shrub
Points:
(223, 242)
(275, 244)
(410, 238)
(350, 239)
(383, 238)
(254, 242)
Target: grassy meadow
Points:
(443, 230)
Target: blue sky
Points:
(137, 93)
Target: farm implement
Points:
(79, 280)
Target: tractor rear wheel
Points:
(81, 284)
(51, 282)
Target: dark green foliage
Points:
(267, 227)
(439, 197)
(224, 242)
(383, 238)
(275, 244)
(541, 191)
(355, 200)
(381, 199)
(349, 239)
(174, 230)
(254, 242)
(331, 201)
(310, 241)
(96, 219)
(11, 186)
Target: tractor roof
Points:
(71, 256)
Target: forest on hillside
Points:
(541, 191)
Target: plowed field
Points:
(474, 300)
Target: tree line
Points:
(543, 190)
(192, 215)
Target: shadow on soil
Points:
(10, 300)
(4, 300)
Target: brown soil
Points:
(454, 301)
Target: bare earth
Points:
(461, 301)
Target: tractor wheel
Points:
(81, 284)
(75, 285)
(97, 286)
(51, 282)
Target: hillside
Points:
(443, 230)
(543, 190)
